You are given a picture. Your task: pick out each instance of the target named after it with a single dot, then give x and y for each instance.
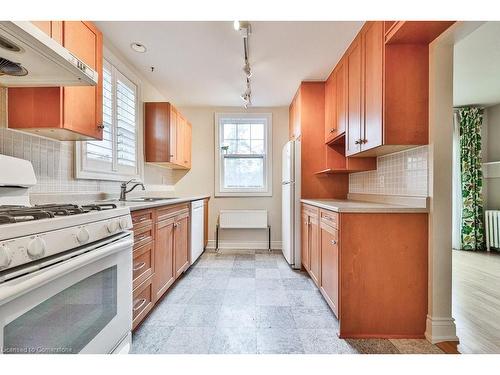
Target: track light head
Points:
(243, 27)
(247, 70)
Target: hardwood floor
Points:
(476, 301)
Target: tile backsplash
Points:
(403, 173)
(52, 162)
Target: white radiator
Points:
(492, 222)
(243, 219)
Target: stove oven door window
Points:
(89, 315)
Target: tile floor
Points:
(239, 302)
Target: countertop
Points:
(341, 206)
(134, 206)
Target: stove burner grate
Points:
(14, 214)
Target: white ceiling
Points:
(476, 71)
(200, 63)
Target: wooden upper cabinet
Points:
(83, 105)
(188, 139)
(354, 98)
(331, 130)
(45, 26)
(336, 102)
(373, 50)
(341, 97)
(65, 113)
(183, 141)
(294, 125)
(389, 112)
(168, 136)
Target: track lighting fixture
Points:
(245, 29)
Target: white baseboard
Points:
(244, 245)
(440, 329)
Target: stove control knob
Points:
(123, 223)
(36, 248)
(5, 257)
(83, 236)
(112, 226)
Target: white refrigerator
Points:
(290, 195)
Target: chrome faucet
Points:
(124, 191)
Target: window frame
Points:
(100, 171)
(267, 190)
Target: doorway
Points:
(476, 190)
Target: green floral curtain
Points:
(472, 232)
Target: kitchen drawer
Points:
(310, 210)
(330, 218)
(166, 212)
(143, 236)
(142, 264)
(142, 301)
(142, 218)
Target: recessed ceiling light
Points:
(138, 47)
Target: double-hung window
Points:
(115, 157)
(243, 154)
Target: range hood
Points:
(30, 58)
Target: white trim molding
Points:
(267, 190)
(439, 329)
(244, 245)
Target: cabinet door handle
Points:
(364, 141)
(138, 266)
(138, 304)
(358, 141)
(100, 126)
(332, 130)
(334, 242)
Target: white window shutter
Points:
(102, 151)
(126, 119)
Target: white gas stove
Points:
(57, 262)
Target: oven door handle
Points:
(46, 272)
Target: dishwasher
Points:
(197, 229)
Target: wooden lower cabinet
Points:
(372, 270)
(315, 251)
(329, 238)
(142, 301)
(160, 255)
(164, 257)
(143, 264)
(311, 259)
(304, 248)
(181, 244)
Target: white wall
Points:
(200, 179)
(491, 144)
